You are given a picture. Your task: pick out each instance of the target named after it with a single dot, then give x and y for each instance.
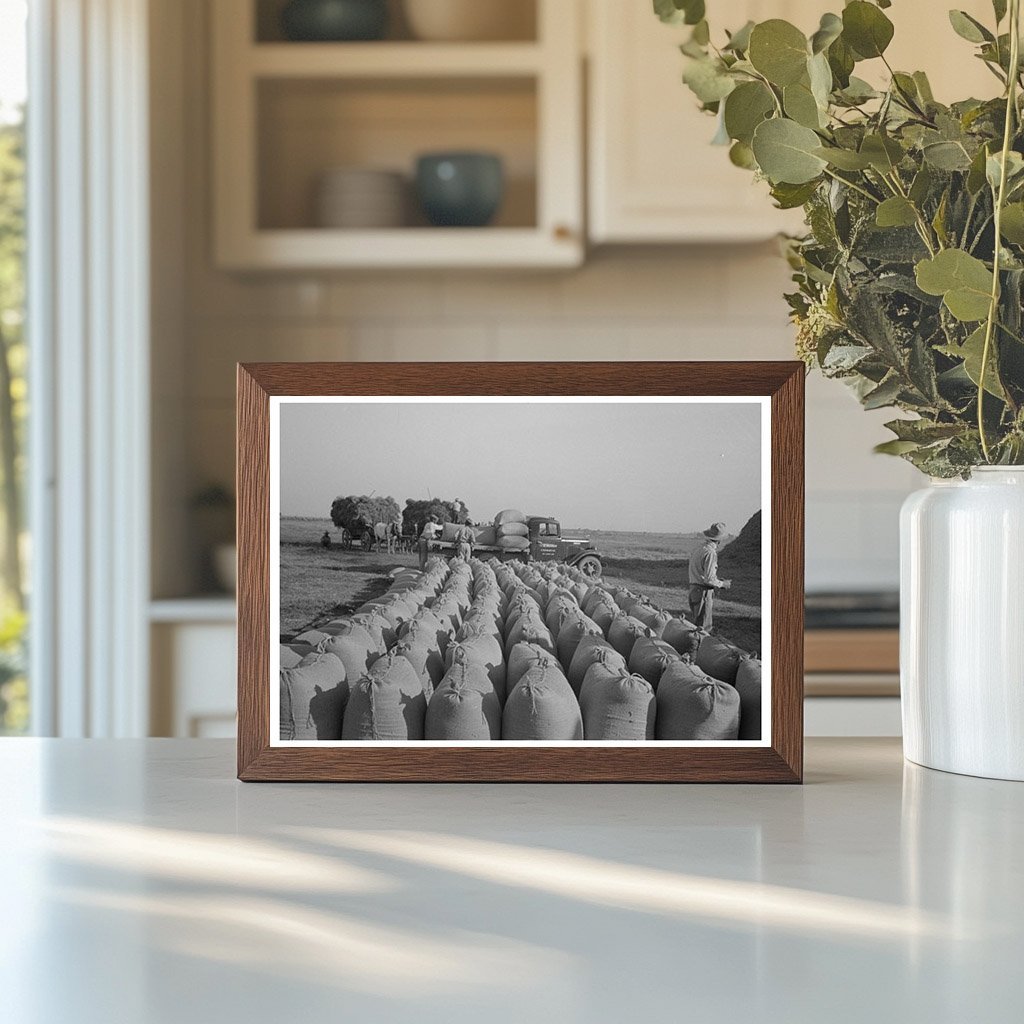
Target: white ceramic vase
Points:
(962, 624)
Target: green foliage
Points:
(909, 277)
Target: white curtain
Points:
(88, 318)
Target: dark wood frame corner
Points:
(782, 761)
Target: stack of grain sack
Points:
(511, 531)
(514, 651)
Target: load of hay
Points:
(359, 513)
(416, 513)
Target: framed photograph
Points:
(520, 572)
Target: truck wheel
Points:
(590, 565)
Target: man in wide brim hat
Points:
(431, 528)
(704, 579)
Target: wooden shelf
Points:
(401, 247)
(393, 60)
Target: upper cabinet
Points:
(653, 174)
(316, 143)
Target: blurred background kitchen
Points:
(369, 180)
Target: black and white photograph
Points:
(521, 571)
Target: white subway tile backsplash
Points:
(704, 303)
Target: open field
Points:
(317, 585)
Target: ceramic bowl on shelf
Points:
(470, 20)
(361, 198)
(460, 189)
(334, 21)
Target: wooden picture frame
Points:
(780, 759)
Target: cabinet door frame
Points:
(617, 211)
(553, 63)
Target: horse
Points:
(386, 534)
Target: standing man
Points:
(466, 537)
(704, 579)
(427, 534)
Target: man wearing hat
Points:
(431, 528)
(704, 579)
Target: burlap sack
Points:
(509, 515)
(522, 657)
(681, 635)
(748, 685)
(624, 631)
(512, 530)
(459, 711)
(592, 649)
(618, 708)
(514, 543)
(484, 651)
(650, 657)
(693, 706)
(719, 658)
(427, 661)
(312, 696)
(542, 706)
(387, 703)
(573, 628)
(355, 649)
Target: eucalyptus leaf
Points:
(842, 61)
(779, 51)
(707, 80)
(963, 281)
(785, 152)
(829, 30)
(969, 28)
(739, 41)
(895, 212)
(972, 352)
(741, 155)
(844, 159)
(800, 105)
(745, 108)
(1012, 225)
(947, 156)
(883, 153)
(866, 30)
(676, 12)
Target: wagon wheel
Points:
(367, 540)
(590, 565)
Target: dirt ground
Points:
(318, 585)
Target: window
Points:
(14, 705)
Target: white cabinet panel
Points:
(653, 175)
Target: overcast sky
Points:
(662, 468)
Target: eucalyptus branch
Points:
(1000, 199)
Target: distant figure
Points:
(325, 540)
(430, 530)
(704, 579)
(464, 541)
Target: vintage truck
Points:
(546, 545)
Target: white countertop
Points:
(143, 885)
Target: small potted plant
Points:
(908, 288)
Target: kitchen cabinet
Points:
(287, 113)
(653, 175)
